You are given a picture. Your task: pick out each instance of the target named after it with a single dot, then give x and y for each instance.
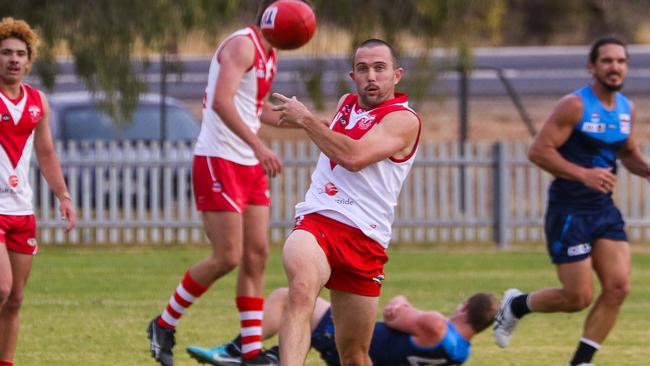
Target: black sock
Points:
(235, 345)
(585, 352)
(519, 306)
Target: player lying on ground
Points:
(407, 333)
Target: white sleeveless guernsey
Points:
(365, 199)
(216, 139)
(17, 123)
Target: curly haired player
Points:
(24, 126)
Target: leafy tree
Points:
(104, 37)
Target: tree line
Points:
(104, 36)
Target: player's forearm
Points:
(336, 146)
(636, 164)
(554, 163)
(51, 170)
(403, 319)
(231, 118)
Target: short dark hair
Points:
(377, 42)
(482, 308)
(265, 4)
(595, 47)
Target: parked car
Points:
(77, 117)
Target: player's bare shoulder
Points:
(405, 121)
(568, 110)
(239, 50)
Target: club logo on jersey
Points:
(6, 118)
(626, 128)
(365, 122)
(593, 127)
(624, 117)
(330, 189)
(268, 18)
(13, 181)
(299, 220)
(626, 124)
(595, 117)
(32, 242)
(35, 113)
(216, 187)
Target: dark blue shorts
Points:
(570, 236)
(322, 340)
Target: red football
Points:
(288, 24)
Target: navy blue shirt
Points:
(390, 347)
(594, 142)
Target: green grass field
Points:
(90, 306)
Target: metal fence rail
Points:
(135, 193)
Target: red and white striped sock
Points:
(6, 363)
(250, 315)
(186, 292)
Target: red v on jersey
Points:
(14, 136)
(354, 121)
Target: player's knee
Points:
(5, 291)
(299, 295)
(13, 303)
(226, 260)
(615, 295)
(578, 301)
(256, 259)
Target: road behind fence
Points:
(135, 193)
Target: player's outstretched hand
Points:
(390, 310)
(293, 112)
(599, 179)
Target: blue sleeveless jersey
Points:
(594, 142)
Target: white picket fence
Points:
(133, 193)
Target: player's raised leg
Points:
(307, 270)
(574, 295)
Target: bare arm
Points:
(632, 158)
(237, 56)
(395, 136)
(427, 327)
(51, 167)
(555, 132)
(272, 118)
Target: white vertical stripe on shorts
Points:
(231, 201)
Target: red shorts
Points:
(221, 185)
(18, 233)
(357, 261)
